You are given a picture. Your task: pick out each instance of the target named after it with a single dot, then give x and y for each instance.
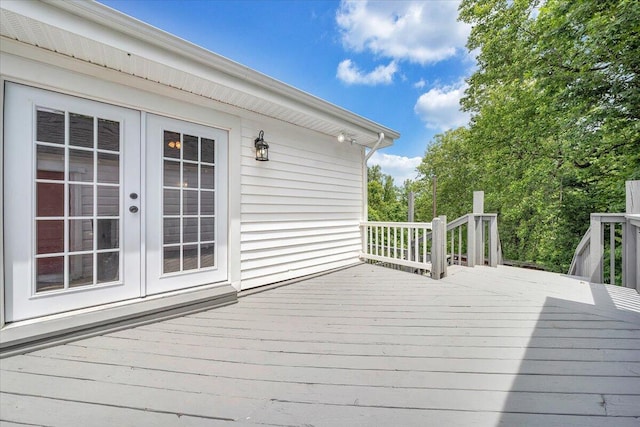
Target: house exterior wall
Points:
(301, 210)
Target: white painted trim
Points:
(142, 201)
(234, 222)
(2, 279)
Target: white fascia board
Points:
(100, 23)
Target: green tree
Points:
(385, 202)
(555, 103)
(451, 159)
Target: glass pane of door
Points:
(78, 196)
(186, 224)
(188, 203)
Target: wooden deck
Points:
(364, 346)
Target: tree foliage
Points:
(385, 201)
(555, 131)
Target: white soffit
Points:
(94, 33)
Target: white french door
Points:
(186, 190)
(88, 220)
(72, 232)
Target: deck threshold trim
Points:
(29, 336)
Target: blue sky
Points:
(399, 63)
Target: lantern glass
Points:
(262, 148)
(262, 153)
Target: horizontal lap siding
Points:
(300, 211)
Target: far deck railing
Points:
(609, 252)
(423, 246)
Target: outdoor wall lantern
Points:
(262, 148)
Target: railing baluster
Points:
(623, 246)
(424, 245)
(453, 246)
(416, 244)
(395, 242)
(612, 253)
(410, 250)
(460, 245)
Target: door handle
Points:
(133, 209)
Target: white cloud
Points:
(439, 108)
(416, 31)
(349, 73)
(400, 168)
(420, 84)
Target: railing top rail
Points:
(397, 224)
(634, 219)
(609, 217)
(458, 222)
(584, 242)
(465, 218)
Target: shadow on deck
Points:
(364, 346)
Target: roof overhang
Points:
(92, 32)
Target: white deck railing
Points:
(609, 252)
(474, 240)
(423, 245)
(420, 245)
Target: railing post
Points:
(410, 208)
(471, 240)
(493, 241)
(443, 249)
(478, 202)
(436, 249)
(631, 238)
(478, 210)
(596, 250)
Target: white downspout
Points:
(375, 147)
(365, 186)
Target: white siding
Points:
(300, 211)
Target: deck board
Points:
(361, 346)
